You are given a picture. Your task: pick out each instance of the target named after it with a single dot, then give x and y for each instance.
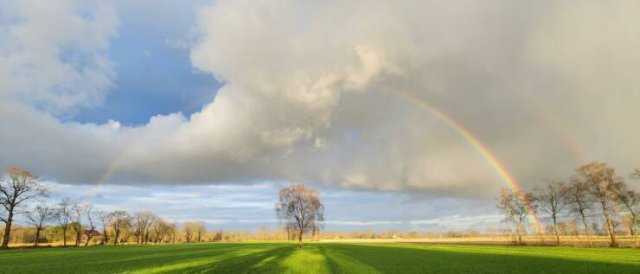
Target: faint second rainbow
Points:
(486, 153)
(109, 170)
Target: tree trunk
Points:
(115, 241)
(88, 238)
(64, 237)
(634, 221)
(105, 237)
(586, 229)
(37, 236)
(78, 238)
(555, 229)
(300, 238)
(612, 235)
(519, 231)
(7, 230)
(519, 237)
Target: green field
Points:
(320, 258)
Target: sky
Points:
(407, 116)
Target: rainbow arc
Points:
(499, 168)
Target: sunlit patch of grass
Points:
(305, 260)
(199, 262)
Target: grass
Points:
(320, 258)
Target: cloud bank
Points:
(52, 54)
(330, 93)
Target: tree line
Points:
(79, 224)
(21, 194)
(594, 192)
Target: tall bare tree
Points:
(300, 207)
(629, 200)
(550, 199)
(174, 232)
(160, 230)
(16, 187)
(142, 224)
(188, 231)
(602, 182)
(120, 221)
(92, 219)
(200, 230)
(104, 219)
(515, 206)
(77, 212)
(193, 231)
(64, 217)
(39, 217)
(580, 203)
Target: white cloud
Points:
(313, 93)
(362, 223)
(459, 222)
(53, 54)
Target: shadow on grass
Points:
(350, 258)
(264, 261)
(273, 259)
(147, 259)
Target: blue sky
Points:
(153, 72)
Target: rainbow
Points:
(484, 151)
(111, 168)
(560, 129)
(500, 170)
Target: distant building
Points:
(93, 233)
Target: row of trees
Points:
(80, 224)
(299, 209)
(22, 194)
(593, 192)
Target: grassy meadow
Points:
(320, 258)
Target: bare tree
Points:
(199, 230)
(550, 199)
(160, 230)
(629, 201)
(16, 187)
(142, 224)
(514, 204)
(580, 203)
(104, 219)
(174, 232)
(300, 207)
(91, 216)
(64, 217)
(120, 221)
(188, 231)
(602, 182)
(39, 217)
(77, 211)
